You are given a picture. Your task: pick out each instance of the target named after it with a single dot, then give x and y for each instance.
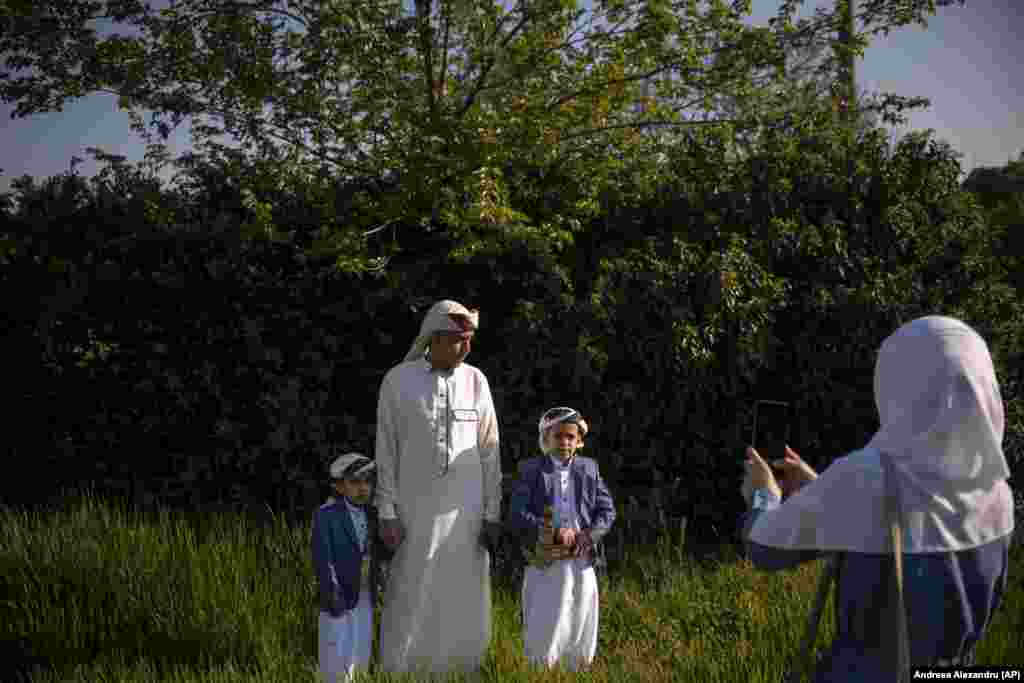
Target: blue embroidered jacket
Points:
(535, 489)
(337, 558)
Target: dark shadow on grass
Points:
(122, 627)
(18, 659)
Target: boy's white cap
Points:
(352, 466)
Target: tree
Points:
(1000, 192)
(816, 73)
(994, 185)
(442, 102)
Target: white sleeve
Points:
(386, 453)
(490, 456)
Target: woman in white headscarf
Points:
(941, 432)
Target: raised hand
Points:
(795, 472)
(760, 474)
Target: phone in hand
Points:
(770, 433)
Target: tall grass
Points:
(92, 592)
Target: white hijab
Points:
(440, 319)
(941, 417)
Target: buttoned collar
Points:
(557, 462)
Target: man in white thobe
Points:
(439, 499)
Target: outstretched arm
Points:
(763, 556)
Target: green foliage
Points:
(451, 102)
(233, 330)
(205, 359)
(997, 298)
(237, 366)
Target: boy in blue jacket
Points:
(559, 598)
(345, 561)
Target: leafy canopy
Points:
(440, 101)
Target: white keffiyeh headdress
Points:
(941, 416)
(444, 316)
(557, 416)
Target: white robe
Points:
(560, 613)
(346, 642)
(438, 470)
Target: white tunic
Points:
(346, 642)
(439, 472)
(560, 615)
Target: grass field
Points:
(92, 593)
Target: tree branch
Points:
(229, 5)
(490, 63)
(444, 48)
(644, 124)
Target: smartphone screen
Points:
(771, 429)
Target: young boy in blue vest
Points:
(559, 597)
(344, 559)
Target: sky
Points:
(967, 61)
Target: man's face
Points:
(356, 490)
(449, 349)
(565, 439)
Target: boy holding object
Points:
(343, 531)
(560, 507)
